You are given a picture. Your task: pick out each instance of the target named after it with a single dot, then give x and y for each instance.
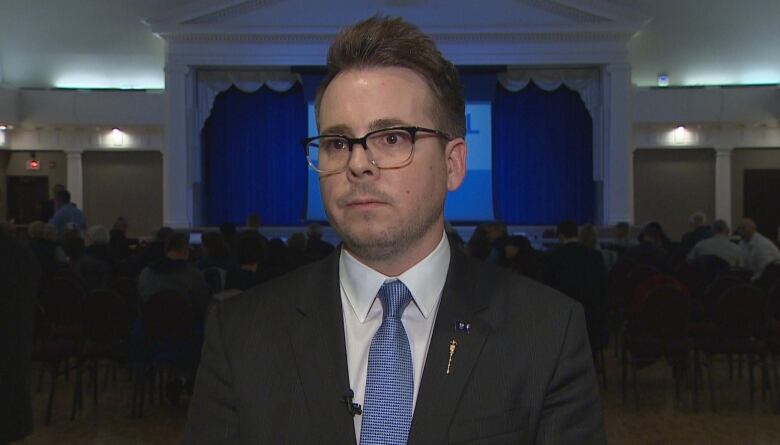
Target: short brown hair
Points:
(392, 42)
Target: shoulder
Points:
(280, 295)
(507, 289)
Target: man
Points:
(395, 338)
(67, 216)
(316, 247)
(48, 207)
(174, 272)
(700, 230)
(623, 236)
(579, 272)
(757, 249)
(720, 246)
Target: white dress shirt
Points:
(720, 246)
(759, 252)
(363, 312)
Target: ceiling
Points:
(104, 44)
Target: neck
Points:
(394, 265)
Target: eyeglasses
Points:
(387, 148)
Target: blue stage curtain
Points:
(542, 157)
(254, 162)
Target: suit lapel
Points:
(320, 352)
(440, 392)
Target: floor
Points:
(658, 420)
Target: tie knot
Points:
(394, 296)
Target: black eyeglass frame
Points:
(412, 130)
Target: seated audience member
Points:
(96, 263)
(19, 278)
(497, 235)
(250, 253)
(316, 247)
(253, 223)
(652, 248)
(720, 246)
(479, 245)
(757, 249)
(119, 242)
(156, 249)
(296, 250)
(215, 252)
(700, 230)
(454, 237)
(623, 239)
(72, 247)
(228, 231)
(589, 236)
(173, 272)
(578, 271)
(67, 216)
(276, 261)
(45, 250)
(520, 257)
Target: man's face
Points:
(381, 213)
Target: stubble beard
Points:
(389, 243)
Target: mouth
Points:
(365, 203)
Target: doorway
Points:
(26, 195)
(760, 200)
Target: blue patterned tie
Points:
(387, 408)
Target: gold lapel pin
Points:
(453, 345)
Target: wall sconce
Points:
(681, 135)
(117, 137)
(663, 80)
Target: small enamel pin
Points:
(453, 345)
(462, 326)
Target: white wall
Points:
(74, 107)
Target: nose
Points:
(360, 165)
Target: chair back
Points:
(660, 327)
(770, 276)
(106, 319)
(169, 316)
(60, 299)
(127, 288)
(701, 272)
(742, 313)
(215, 278)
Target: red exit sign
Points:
(33, 165)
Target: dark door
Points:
(25, 197)
(761, 200)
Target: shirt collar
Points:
(425, 280)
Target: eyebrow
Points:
(378, 124)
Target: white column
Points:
(177, 190)
(723, 184)
(618, 168)
(75, 173)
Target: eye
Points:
(334, 144)
(391, 138)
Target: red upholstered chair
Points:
(59, 331)
(106, 335)
(741, 327)
(172, 332)
(659, 328)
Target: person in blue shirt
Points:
(67, 216)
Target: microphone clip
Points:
(354, 408)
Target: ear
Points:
(455, 153)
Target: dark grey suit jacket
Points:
(274, 368)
